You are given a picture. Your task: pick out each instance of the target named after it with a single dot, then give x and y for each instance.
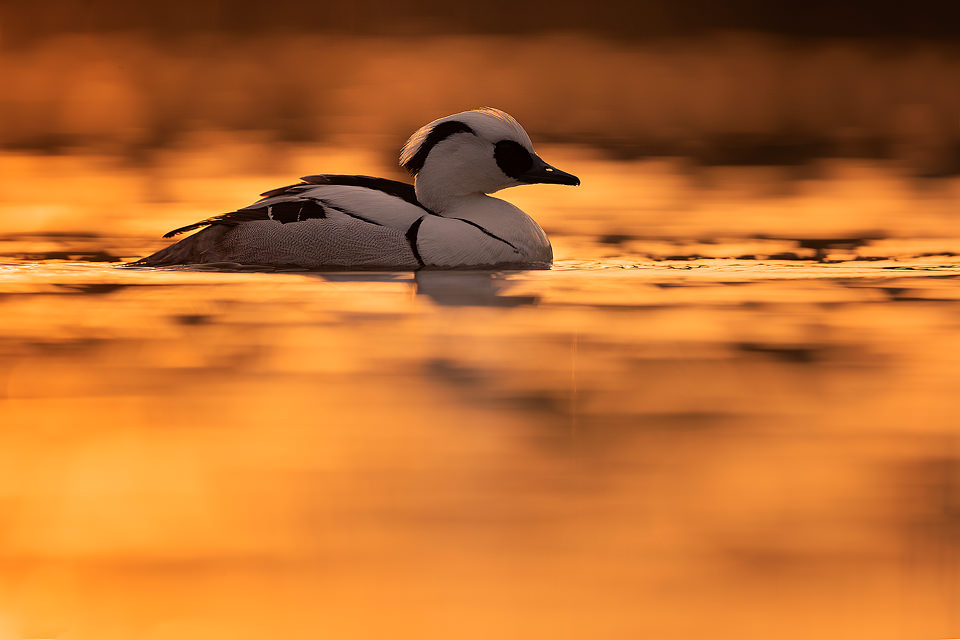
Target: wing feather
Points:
(374, 200)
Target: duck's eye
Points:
(512, 158)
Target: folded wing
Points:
(375, 201)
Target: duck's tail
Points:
(199, 248)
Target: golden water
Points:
(689, 428)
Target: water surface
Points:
(729, 411)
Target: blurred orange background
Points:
(744, 83)
(729, 411)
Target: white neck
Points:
(459, 170)
(478, 207)
(444, 194)
(437, 195)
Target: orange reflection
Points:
(728, 411)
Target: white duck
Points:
(446, 219)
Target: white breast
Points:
(484, 231)
(445, 242)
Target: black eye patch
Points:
(512, 158)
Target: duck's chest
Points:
(493, 236)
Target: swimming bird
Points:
(446, 219)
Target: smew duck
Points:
(446, 219)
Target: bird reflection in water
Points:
(454, 288)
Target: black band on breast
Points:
(412, 234)
(492, 235)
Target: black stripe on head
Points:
(439, 133)
(512, 158)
